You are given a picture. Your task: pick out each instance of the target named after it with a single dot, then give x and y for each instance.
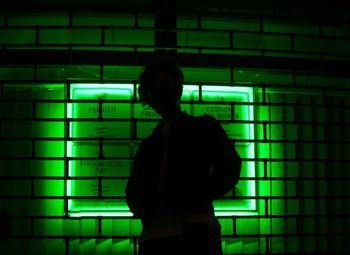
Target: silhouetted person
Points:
(185, 164)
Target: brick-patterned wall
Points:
(298, 69)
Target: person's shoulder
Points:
(147, 140)
(142, 145)
(204, 122)
(207, 119)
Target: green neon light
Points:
(102, 91)
(99, 213)
(237, 94)
(94, 129)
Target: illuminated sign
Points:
(102, 143)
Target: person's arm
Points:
(226, 163)
(132, 190)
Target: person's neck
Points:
(172, 115)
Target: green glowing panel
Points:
(101, 143)
(231, 105)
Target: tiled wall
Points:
(301, 125)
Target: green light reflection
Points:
(95, 129)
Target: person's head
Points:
(161, 85)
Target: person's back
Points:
(185, 164)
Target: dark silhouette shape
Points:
(185, 164)
(5, 225)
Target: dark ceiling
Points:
(326, 11)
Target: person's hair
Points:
(155, 66)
